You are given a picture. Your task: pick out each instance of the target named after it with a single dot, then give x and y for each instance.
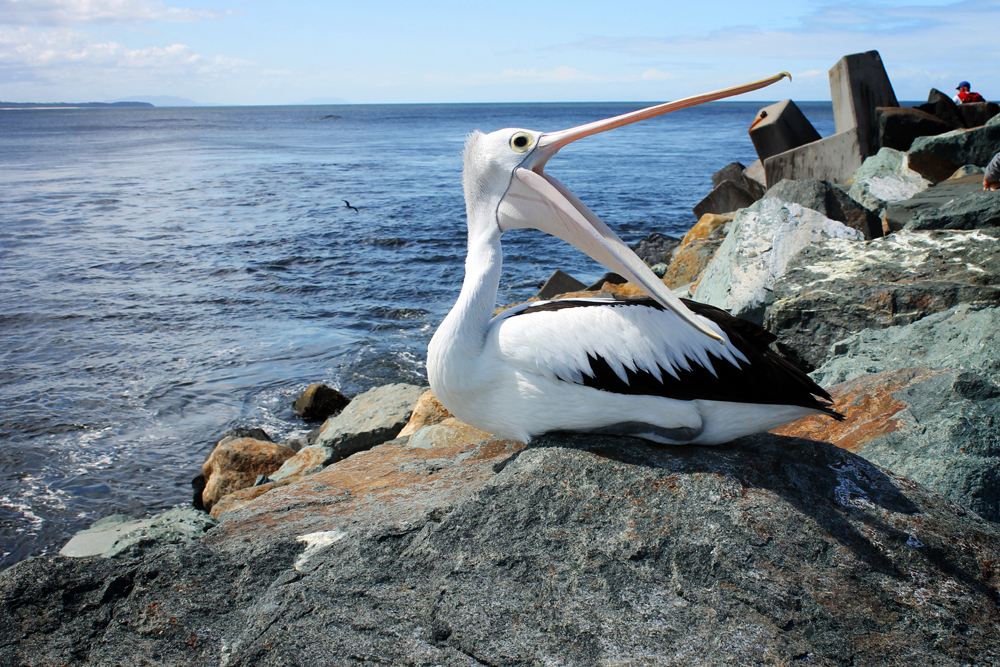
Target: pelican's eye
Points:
(521, 142)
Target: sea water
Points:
(167, 274)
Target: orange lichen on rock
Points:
(392, 482)
(869, 405)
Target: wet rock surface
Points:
(575, 550)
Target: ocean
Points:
(167, 274)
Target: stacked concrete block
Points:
(779, 128)
(859, 85)
(833, 159)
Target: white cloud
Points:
(65, 56)
(80, 12)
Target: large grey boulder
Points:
(935, 384)
(370, 419)
(830, 200)
(975, 210)
(898, 214)
(834, 288)
(885, 178)
(576, 551)
(764, 238)
(117, 534)
(937, 158)
(858, 86)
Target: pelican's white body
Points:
(513, 375)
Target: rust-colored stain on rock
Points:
(868, 405)
(389, 484)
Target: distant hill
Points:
(69, 105)
(160, 100)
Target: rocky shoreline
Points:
(394, 534)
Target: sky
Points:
(250, 52)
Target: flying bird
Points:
(669, 370)
(348, 204)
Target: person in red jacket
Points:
(965, 94)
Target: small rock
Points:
(235, 465)
(427, 412)
(937, 158)
(307, 461)
(449, 433)
(318, 402)
(977, 114)
(941, 106)
(655, 248)
(374, 417)
(727, 197)
(696, 250)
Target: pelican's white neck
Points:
(462, 334)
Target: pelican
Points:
(665, 369)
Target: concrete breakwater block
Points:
(858, 85)
(559, 283)
(899, 126)
(754, 179)
(943, 107)
(834, 158)
(731, 172)
(729, 196)
(781, 127)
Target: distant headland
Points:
(69, 105)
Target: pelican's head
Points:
(507, 188)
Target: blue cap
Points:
(965, 84)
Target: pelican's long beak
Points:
(536, 200)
